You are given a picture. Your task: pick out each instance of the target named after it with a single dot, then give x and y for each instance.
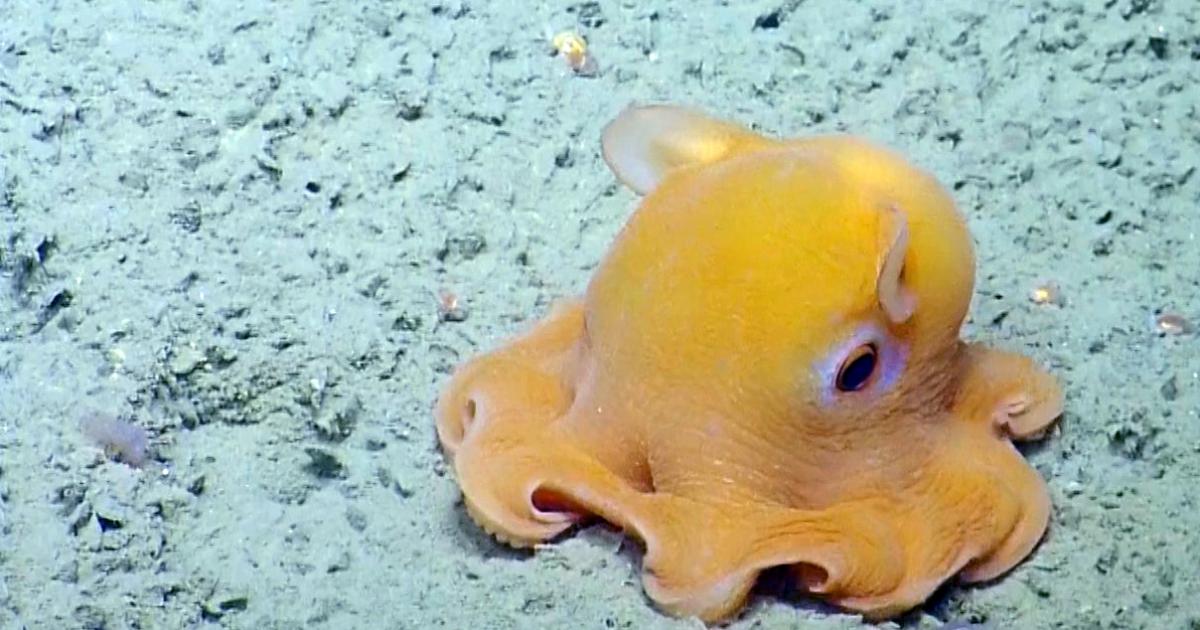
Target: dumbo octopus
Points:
(765, 371)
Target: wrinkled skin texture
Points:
(691, 397)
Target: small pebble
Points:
(450, 308)
(1172, 324)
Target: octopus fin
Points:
(644, 143)
(896, 300)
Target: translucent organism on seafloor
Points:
(121, 440)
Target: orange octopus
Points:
(765, 371)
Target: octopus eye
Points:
(856, 370)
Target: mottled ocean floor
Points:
(233, 224)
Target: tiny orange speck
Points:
(574, 50)
(1046, 293)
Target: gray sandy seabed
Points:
(233, 224)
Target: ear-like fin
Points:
(644, 143)
(896, 300)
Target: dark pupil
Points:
(855, 373)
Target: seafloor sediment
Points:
(266, 232)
